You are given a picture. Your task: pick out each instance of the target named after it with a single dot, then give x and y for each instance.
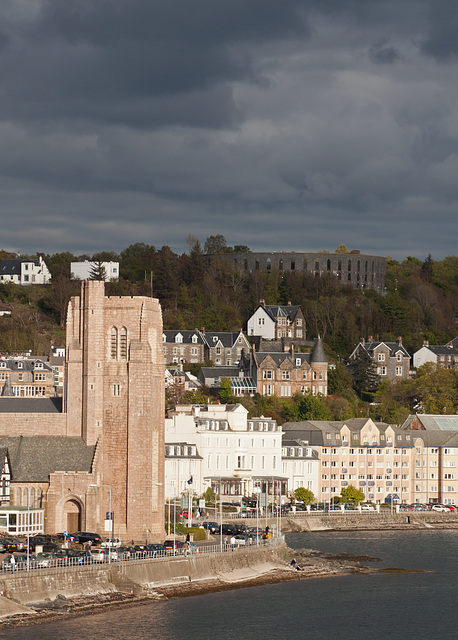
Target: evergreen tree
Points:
(98, 271)
(363, 371)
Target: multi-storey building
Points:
(27, 271)
(444, 356)
(358, 270)
(286, 373)
(237, 453)
(273, 322)
(391, 358)
(435, 467)
(300, 465)
(373, 457)
(183, 346)
(26, 378)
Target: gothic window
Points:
(305, 264)
(18, 497)
(123, 344)
(293, 265)
(328, 265)
(113, 343)
(280, 265)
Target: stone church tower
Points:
(114, 399)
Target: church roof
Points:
(34, 458)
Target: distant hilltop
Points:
(359, 270)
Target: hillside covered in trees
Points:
(420, 303)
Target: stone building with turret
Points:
(285, 373)
(102, 450)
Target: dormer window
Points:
(215, 339)
(20, 365)
(178, 338)
(194, 339)
(164, 338)
(38, 365)
(2, 365)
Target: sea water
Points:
(389, 606)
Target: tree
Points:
(352, 494)
(339, 379)
(342, 249)
(225, 393)
(304, 495)
(209, 496)
(98, 271)
(215, 244)
(363, 371)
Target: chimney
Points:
(399, 341)
(203, 330)
(262, 303)
(289, 303)
(426, 343)
(362, 341)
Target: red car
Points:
(168, 545)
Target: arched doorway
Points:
(72, 516)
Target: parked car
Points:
(103, 555)
(227, 530)
(87, 536)
(211, 526)
(155, 550)
(126, 553)
(367, 507)
(45, 559)
(170, 546)
(189, 547)
(114, 543)
(43, 541)
(83, 557)
(243, 539)
(440, 507)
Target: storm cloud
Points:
(293, 125)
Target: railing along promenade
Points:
(64, 564)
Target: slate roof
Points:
(13, 267)
(30, 405)
(443, 349)
(227, 338)
(25, 364)
(318, 354)
(394, 347)
(434, 422)
(279, 358)
(170, 335)
(314, 431)
(437, 438)
(34, 458)
(281, 311)
(208, 374)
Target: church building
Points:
(96, 459)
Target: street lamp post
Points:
(110, 519)
(257, 491)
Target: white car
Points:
(114, 543)
(439, 507)
(367, 507)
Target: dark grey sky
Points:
(284, 125)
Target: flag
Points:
(190, 480)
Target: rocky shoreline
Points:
(313, 564)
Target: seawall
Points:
(138, 577)
(367, 521)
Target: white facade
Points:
(25, 272)
(261, 324)
(82, 270)
(301, 465)
(236, 453)
(423, 355)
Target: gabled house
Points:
(25, 272)
(224, 347)
(286, 373)
(444, 356)
(27, 378)
(274, 322)
(391, 358)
